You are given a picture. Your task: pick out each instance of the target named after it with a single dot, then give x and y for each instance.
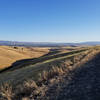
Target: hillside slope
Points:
(9, 55)
(82, 84)
(61, 74)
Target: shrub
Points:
(15, 47)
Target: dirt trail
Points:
(83, 85)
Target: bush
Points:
(15, 47)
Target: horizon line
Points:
(46, 41)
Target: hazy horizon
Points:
(66, 21)
(51, 41)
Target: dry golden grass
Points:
(48, 71)
(24, 73)
(7, 91)
(9, 55)
(48, 77)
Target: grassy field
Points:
(33, 67)
(57, 61)
(9, 55)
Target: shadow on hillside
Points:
(85, 83)
(24, 62)
(52, 52)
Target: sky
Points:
(50, 20)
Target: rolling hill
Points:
(9, 54)
(55, 72)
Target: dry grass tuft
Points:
(30, 84)
(25, 98)
(7, 92)
(54, 71)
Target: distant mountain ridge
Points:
(46, 44)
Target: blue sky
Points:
(50, 20)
